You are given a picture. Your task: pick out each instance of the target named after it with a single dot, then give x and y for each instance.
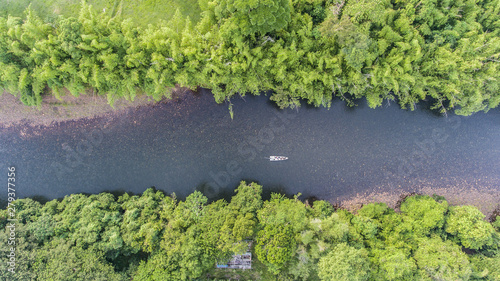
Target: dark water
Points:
(194, 144)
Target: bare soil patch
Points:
(484, 194)
(69, 108)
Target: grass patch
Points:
(142, 12)
(17, 7)
(151, 11)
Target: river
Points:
(192, 144)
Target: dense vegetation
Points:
(410, 50)
(157, 237)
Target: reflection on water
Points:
(193, 144)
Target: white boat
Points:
(277, 158)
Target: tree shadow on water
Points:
(426, 107)
(268, 190)
(40, 199)
(213, 192)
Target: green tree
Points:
(282, 210)
(485, 268)
(25, 252)
(183, 251)
(321, 235)
(467, 224)
(394, 264)
(333, 229)
(143, 223)
(424, 213)
(344, 262)
(322, 209)
(441, 260)
(275, 245)
(496, 223)
(248, 198)
(58, 260)
(250, 17)
(76, 221)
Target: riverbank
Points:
(481, 194)
(69, 108)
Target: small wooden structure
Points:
(243, 261)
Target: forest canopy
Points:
(444, 52)
(153, 236)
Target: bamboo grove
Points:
(157, 237)
(446, 52)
